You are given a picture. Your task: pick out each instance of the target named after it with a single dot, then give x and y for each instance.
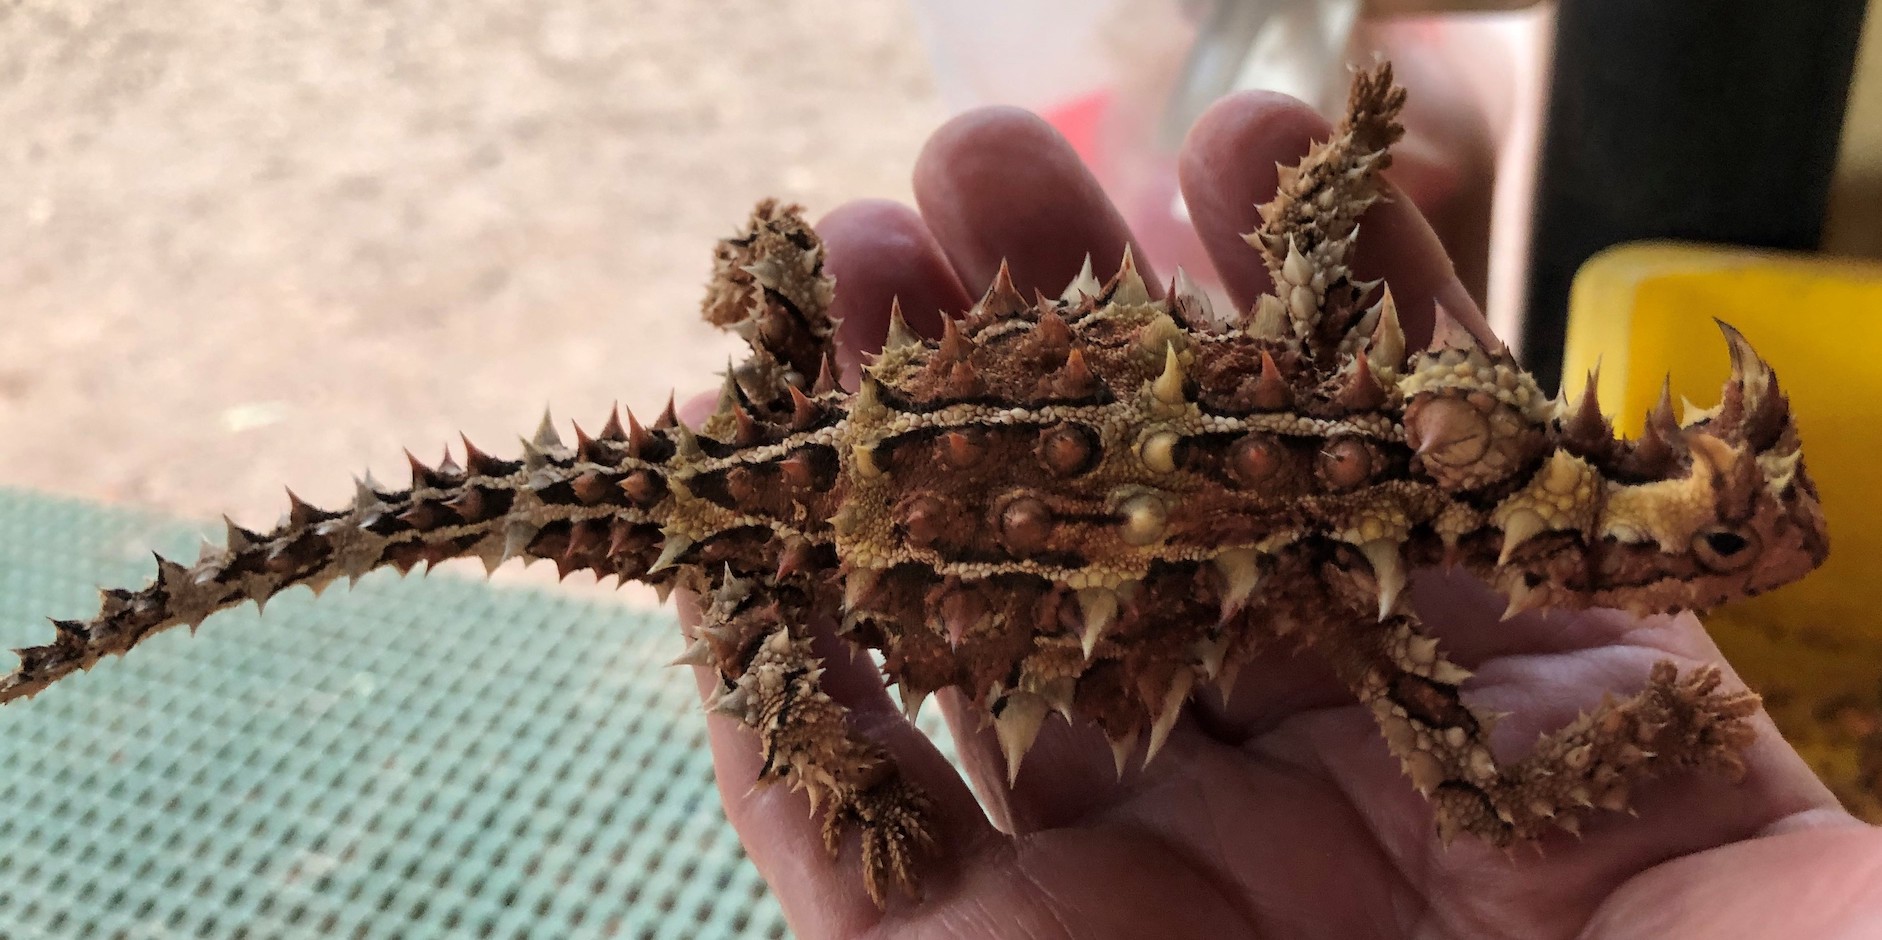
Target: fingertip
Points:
(962, 143)
(1000, 184)
(881, 253)
(1397, 245)
(1228, 166)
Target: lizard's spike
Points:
(1447, 332)
(639, 439)
(303, 513)
(1267, 319)
(1587, 429)
(611, 432)
(1241, 572)
(546, 437)
(731, 397)
(1186, 295)
(1387, 349)
(479, 463)
(239, 539)
(1002, 299)
(1122, 747)
(955, 346)
(1098, 608)
(826, 377)
(1052, 333)
(1017, 722)
(1085, 284)
(1661, 419)
(804, 412)
(1388, 570)
(698, 653)
(900, 334)
(1127, 286)
(745, 429)
(685, 442)
(585, 448)
(1168, 711)
(1168, 387)
(423, 477)
(366, 493)
(912, 700)
(1360, 391)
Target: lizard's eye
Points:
(1725, 550)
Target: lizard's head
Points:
(1687, 516)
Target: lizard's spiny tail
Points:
(592, 506)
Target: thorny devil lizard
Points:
(1086, 505)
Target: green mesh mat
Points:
(413, 758)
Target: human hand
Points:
(1280, 813)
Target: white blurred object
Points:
(1289, 46)
(1043, 54)
(1029, 53)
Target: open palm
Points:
(1279, 813)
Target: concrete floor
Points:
(252, 245)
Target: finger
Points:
(1228, 167)
(880, 251)
(999, 183)
(1681, 811)
(823, 896)
(1818, 882)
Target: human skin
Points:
(1279, 813)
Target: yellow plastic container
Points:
(1814, 649)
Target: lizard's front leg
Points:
(1676, 722)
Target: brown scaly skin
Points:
(1093, 504)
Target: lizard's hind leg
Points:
(751, 632)
(1676, 722)
(1307, 230)
(769, 286)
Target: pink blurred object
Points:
(1140, 180)
(1081, 120)
(1123, 80)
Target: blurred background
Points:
(251, 245)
